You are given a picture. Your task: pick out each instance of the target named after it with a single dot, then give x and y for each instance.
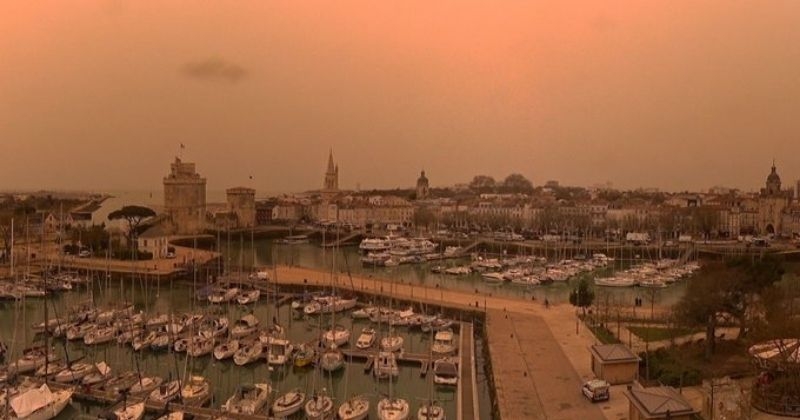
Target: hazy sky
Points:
(670, 94)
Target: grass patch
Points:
(604, 335)
(668, 365)
(650, 334)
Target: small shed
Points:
(154, 240)
(661, 402)
(614, 363)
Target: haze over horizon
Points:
(675, 95)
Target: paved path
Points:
(467, 392)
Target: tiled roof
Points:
(614, 353)
(656, 402)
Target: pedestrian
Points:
(546, 303)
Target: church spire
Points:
(331, 167)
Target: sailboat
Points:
(248, 399)
(288, 403)
(391, 407)
(196, 391)
(430, 409)
(130, 412)
(39, 403)
(354, 408)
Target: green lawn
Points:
(604, 335)
(650, 334)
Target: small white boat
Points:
(157, 321)
(100, 335)
(248, 399)
(319, 407)
(385, 365)
(145, 385)
(331, 359)
(212, 328)
(392, 342)
(354, 408)
(166, 392)
(393, 409)
(223, 295)
(127, 336)
(144, 341)
(363, 313)
(366, 339)
(445, 371)
(247, 325)
(161, 342)
(200, 346)
(279, 351)
(288, 403)
(431, 411)
(338, 335)
(180, 345)
(196, 391)
(493, 277)
(130, 412)
(293, 240)
(443, 343)
(248, 296)
(77, 332)
(248, 353)
(38, 403)
(74, 373)
(102, 373)
(226, 350)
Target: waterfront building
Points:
(86, 214)
(242, 205)
(154, 240)
(772, 203)
(422, 187)
(185, 198)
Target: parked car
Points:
(596, 390)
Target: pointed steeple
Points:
(331, 167)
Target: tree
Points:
(423, 217)
(727, 289)
(582, 296)
(518, 184)
(134, 216)
(483, 184)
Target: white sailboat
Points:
(248, 399)
(39, 403)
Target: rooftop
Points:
(614, 353)
(659, 402)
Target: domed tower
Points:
(773, 182)
(422, 186)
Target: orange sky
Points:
(672, 94)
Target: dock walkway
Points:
(467, 381)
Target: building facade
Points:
(331, 183)
(185, 198)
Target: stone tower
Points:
(331, 175)
(422, 187)
(185, 198)
(771, 204)
(242, 203)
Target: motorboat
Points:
(245, 326)
(121, 382)
(354, 408)
(443, 343)
(436, 324)
(279, 351)
(393, 409)
(493, 277)
(226, 349)
(38, 403)
(445, 371)
(74, 373)
(248, 399)
(127, 337)
(363, 313)
(288, 403)
(458, 271)
(145, 385)
(329, 304)
(248, 296)
(157, 321)
(31, 359)
(248, 353)
(165, 392)
(338, 335)
(196, 391)
(366, 339)
(319, 407)
(293, 240)
(385, 365)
